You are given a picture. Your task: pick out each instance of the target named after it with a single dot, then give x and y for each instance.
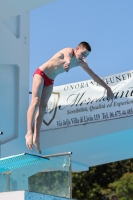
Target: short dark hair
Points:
(86, 45)
(114, 196)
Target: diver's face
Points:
(81, 53)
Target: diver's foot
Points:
(29, 140)
(36, 142)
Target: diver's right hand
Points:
(110, 94)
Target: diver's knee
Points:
(35, 102)
(43, 106)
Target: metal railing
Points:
(69, 165)
(51, 175)
(1, 133)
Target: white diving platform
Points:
(26, 176)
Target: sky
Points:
(107, 25)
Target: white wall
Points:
(13, 8)
(24, 195)
(14, 77)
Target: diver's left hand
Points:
(66, 66)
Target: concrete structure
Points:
(92, 144)
(24, 195)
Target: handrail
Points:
(70, 168)
(1, 133)
(59, 154)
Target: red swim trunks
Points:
(47, 80)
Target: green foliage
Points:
(97, 183)
(124, 187)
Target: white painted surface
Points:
(24, 195)
(13, 8)
(9, 106)
(12, 195)
(14, 81)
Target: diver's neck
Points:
(74, 55)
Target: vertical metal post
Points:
(7, 174)
(0, 148)
(1, 133)
(8, 181)
(70, 177)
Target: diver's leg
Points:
(46, 93)
(37, 88)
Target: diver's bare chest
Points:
(73, 64)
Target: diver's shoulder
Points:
(67, 49)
